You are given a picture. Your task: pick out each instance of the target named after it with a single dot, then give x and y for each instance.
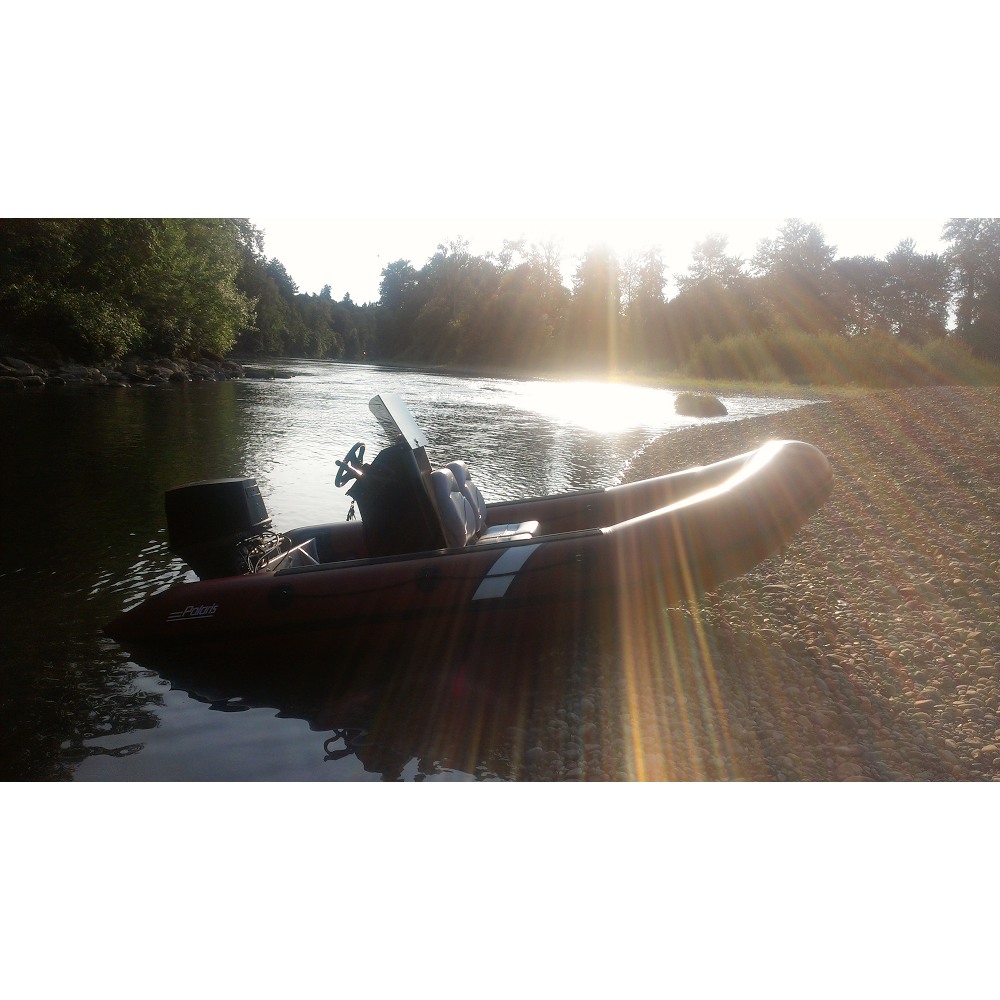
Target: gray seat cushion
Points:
(457, 514)
(508, 532)
(470, 491)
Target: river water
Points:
(82, 482)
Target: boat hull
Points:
(668, 539)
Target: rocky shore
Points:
(17, 374)
(870, 651)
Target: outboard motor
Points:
(220, 527)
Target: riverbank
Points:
(17, 374)
(871, 650)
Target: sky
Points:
(349, 254)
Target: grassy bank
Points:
(786, 363)
(873, 361)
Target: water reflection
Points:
(613, 694)
(81, 499)
(392, 716)
(425, 719)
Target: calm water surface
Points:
(83, 477)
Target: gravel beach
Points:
(868, 651)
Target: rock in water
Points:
(694, 404)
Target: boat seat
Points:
(463, 510)
(457, 514)
(508, 532)
(471, 492)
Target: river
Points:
(82, 483)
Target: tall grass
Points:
(874, 361)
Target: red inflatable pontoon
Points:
(427, 547)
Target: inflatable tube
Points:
(674, 537)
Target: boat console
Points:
(406, 506)
(394, 497)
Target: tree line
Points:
(102, 288)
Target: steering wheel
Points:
(347, 470)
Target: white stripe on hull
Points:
(501, 574)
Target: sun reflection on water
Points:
(604, 407)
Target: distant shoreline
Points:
(670, 382)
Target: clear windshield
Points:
(396, 420)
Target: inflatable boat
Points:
(428, 548)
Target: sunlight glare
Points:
(605, 407)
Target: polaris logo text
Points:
(193, 611)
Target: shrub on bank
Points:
(873, 360)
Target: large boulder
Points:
(80, 373)
(698, 404)
(24, 368)
(8, 383)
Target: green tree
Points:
(642, 282)
(918, 293)
(797, 278)
(716, 299)
(863, 295)
(710, 262)
(525, 313)
(974, 256)
(593, 335)
(98, 288)
(190, 300)
(398, 305)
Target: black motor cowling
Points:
(208, 521)
(397, 513)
